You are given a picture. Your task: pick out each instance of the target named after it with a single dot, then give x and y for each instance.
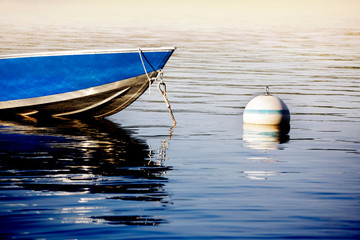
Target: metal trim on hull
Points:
(98, 101)
(93, 105)
(84, 52)
(61, 97)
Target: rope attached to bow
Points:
(161, 84)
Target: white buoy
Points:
(266, 109)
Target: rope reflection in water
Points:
(95, 161)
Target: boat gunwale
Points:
(85, 52)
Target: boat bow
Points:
(77, 83)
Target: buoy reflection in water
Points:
(265, 137)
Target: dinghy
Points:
(77, 83)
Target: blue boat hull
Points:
(97, 83)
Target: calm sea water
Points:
(134, 176)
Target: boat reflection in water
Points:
(94, 158)
(265, 137)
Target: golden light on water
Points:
(167, 13)
(37, 25)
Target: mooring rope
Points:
(161, 83)
(163, 92)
